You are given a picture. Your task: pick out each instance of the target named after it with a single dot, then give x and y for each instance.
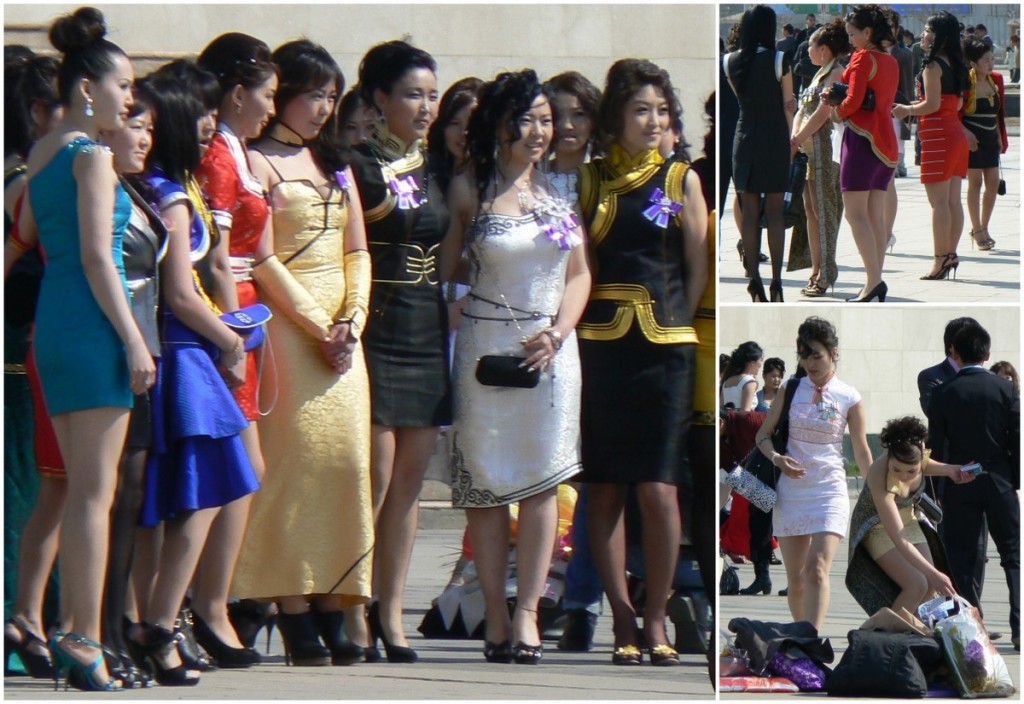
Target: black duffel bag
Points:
(887, 665)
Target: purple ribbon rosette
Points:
(558, 222)
(661, 208)
(406, 190)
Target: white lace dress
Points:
(819, 501)
(509, 443)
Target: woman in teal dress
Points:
(90, 353)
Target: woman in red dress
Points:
(248, 81)
(944, 148)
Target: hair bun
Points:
(78, 30)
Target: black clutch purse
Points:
(839, 91)
(505, 370)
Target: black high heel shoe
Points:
(942, 272)
(37, 665)
(248, 617)
(159, 644)
(302, 646)
(878, 292)
(523, 654)
(756, 290)
(138, 677)
(395, 653)
(331, 625)
(223, 654)
(498, 652)
(775, 291)
(192, 657)
(953, 262)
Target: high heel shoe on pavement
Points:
(756, 290)
(953, 262)
(395, 653)
(76, 673)
(775, 291)
(878, 292)
(159, 644)
(192, 656)
(942, 272)
(983, 244)
(498, 652)
(523, 654)
(223, 654)
(302, 646)
(331, 625)
(248, 617)
(37, 665)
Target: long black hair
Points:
(175, 135)
(946, 39)
(743, 355)
(460, 94)
(305, 66)
(757, 29)
(501, 103)
(80, 38)
(384, 65)
(626, 78)
(28, 80)
(237, 59)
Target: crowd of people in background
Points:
(845, 97)
(240, 319)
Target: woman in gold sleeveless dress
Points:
(310, 538)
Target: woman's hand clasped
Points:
(789, 466)
(339, 347)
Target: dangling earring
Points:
(88, 107)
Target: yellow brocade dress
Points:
(311, 526)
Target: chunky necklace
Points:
(283, 134)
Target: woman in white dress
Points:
(530, 282)
(739, 380)
(813, 512)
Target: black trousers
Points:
(965, 510)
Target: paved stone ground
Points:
(983, 277)
(448, 669)
(845, 614)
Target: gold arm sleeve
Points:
(274, 280)
(358, 278)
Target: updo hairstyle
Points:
(904, 438)
(80, 38)
(626, 78)
(385, 64)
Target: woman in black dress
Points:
(647, 224)
(984, 116)
(763, 82)
(406, 338)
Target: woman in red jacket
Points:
(869, 152)
(943, 139)
(984, 115)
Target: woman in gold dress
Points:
(310, 538)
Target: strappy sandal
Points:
(983, 244)
(664, 655)
(627, 655)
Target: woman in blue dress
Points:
(198, 462)
(90, 353)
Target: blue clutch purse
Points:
(251, 323)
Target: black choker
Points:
(284, 134)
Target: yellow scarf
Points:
(971, 103)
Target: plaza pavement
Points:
(983, 277)
(448, 669)
(845, 614)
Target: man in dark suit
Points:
(931, 377)
(788, 42)
(976, 417)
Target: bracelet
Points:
(555, 337)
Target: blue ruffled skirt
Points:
(197, 459)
